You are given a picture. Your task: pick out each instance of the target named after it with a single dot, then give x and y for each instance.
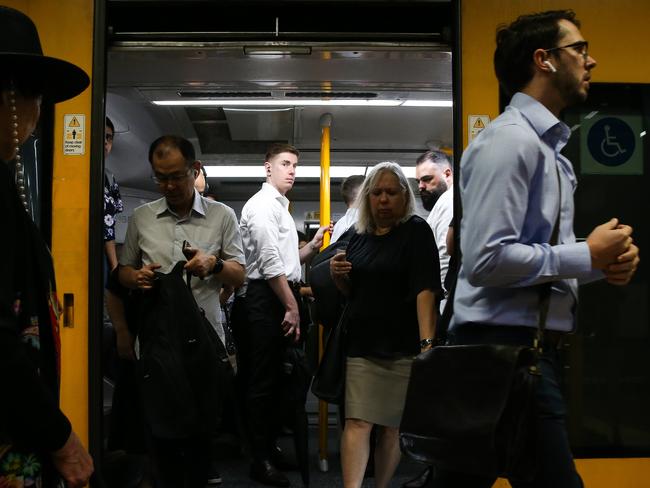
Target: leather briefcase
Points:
(470, 408)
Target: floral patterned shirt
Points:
(112, 206)
(20, 470)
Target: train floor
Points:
(233, 466)
(235, 471)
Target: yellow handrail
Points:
(323, 414)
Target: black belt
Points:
(294, 285)
(551, 339)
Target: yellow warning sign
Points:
(476, 123)
(74, 137)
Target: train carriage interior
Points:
(385, 86)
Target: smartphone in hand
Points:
(187, 250)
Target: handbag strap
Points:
(544, 289)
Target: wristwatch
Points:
(426, 342)
(218, 266)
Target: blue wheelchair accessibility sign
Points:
(611, 141)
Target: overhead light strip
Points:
(302, 171)
(304, 103)
(427, 103)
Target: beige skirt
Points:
(375, 389)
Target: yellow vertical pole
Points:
(323, 414)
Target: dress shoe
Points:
(214, 477)
(280, 461)
(421, 480)
(267, 474)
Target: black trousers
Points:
(555, 466)
(261, 344)
(180, 463)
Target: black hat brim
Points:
(59, 79)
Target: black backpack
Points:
(328, 300)
(182, 364)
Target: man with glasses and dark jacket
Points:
(154, 242)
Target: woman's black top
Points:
(388, 272)
(30, 419)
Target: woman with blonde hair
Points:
(390, 275)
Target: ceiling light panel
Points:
(338, 172)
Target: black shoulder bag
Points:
(328, 300)
(329, 379)
(470, 408)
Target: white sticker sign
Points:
(475, 124)
(74, 134)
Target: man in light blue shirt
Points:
(513, 183)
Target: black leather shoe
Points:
(421, 480)
(280, 461)
(214, 477)
(267, 474)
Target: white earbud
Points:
(550, 66)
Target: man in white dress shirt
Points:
(435, 178)
(349, 191)
(266, 312)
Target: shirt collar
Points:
(271, 190)
(549, 128)
(198, 206)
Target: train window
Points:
(608, 370)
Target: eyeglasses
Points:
(581, 47)
(164, 179)
(108, 137)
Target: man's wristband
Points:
(218, 266)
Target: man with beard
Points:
(435, 178)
